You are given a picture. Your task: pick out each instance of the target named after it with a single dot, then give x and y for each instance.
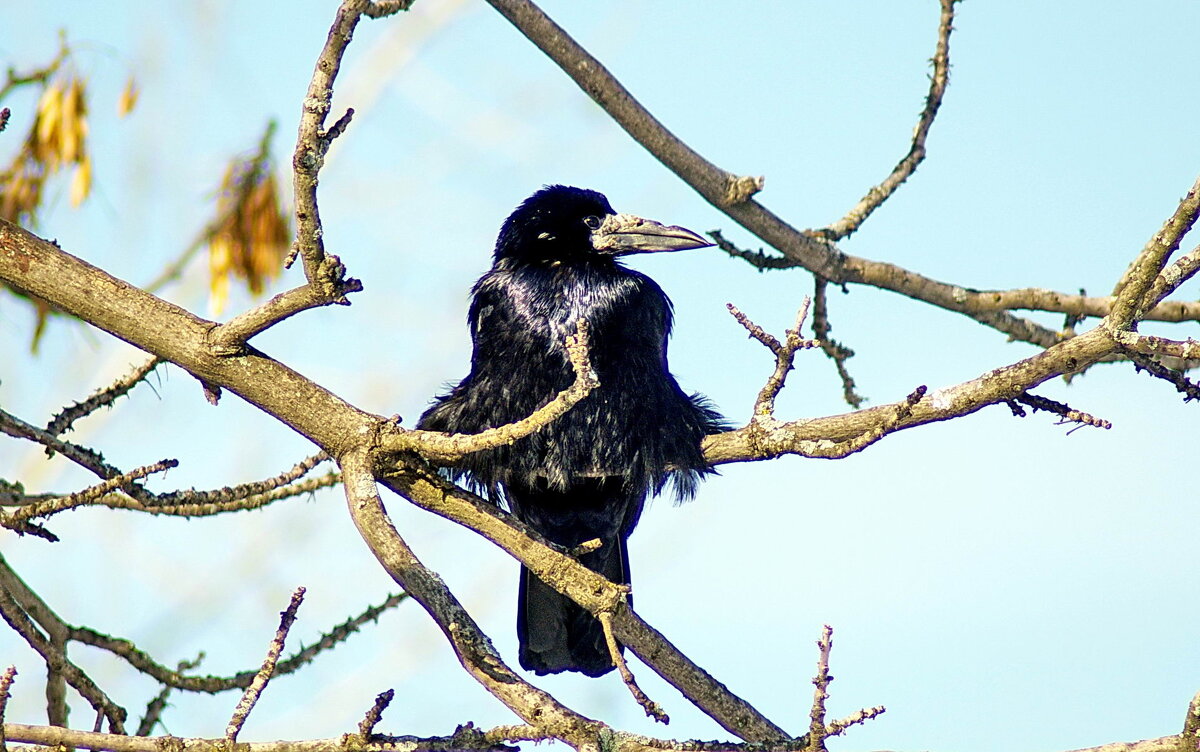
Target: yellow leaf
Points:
(81, 181)
(73, 129)
(220, 255)
(128, 98)
(48, 122)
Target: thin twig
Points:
(86, 458)
(156, 706)
(1189, 389)
(17, 520)
(212, 684)
(245, 490)
(366, 728)
(64, 420)
(816, 726)
(839, 727)
(312, 143)
(1063, 411)
(39, 75)
(652, 708)
(286, 618)
(916, 153)
(785, 355)
(6, 680)
(833, 349)
(758, 259)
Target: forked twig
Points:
(785, 355)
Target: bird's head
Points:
(561, 223)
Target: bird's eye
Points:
(593, 222)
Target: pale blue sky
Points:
(997, 583)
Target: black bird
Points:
(586, 475)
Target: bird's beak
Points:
(622, 234)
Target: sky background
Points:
(997, 583)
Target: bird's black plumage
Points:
(586, 475)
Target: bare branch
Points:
(470, 739)
(1132, 290)
(18, 520)
(56, 661)
(366, 729)
(259, 683)
(836, 352)
(474, 650)
(447, 449)
(63, 421)
(1146, 344)
(816, 726)
(785, 355)
(1168, 281)
(6, 680)
(230, 338)
(312, 143)
(998, 385)
(835, 728)
(82, 456)
(425, 488)
(245, 490)
(1189, 390)
(652, 708)
(1059, 409)
(916, 153)
(156, 706)
(213, 684)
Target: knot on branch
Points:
(331, 281)
(738, 190)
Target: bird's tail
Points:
(556, 634)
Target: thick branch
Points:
(807, 249)
(49, 736)
(810, 436)
(57, 662)
(163, 329)
(429, 491)
(1132, 291)
(473, 648)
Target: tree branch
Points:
(916, 153)
(473, 649)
